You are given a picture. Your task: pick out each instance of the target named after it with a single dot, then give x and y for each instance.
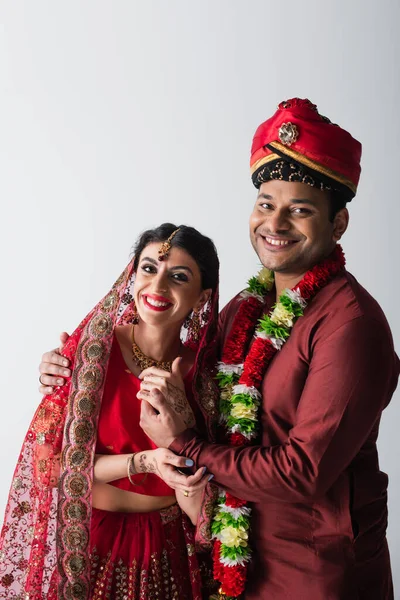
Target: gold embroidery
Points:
(208, 393)
(77, 458)
(308, 162)
(101, 325)
(76, 591)
(46, 421)
(93, 351)
(74, 510)
(90, 378)
(83, 431)
(75, 538)
(79, 446)
(84, 404)
(170, 514)
(42, 465)
(75, 565)
(119, 581)
(110, 301)
(76, 485)
(17, 484)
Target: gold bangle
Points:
(132, 471)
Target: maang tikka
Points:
(166, 246)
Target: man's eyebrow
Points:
(303, 201)
(293, 200)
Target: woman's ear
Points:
(204, 298)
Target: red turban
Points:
(298, 134)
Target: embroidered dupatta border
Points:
(78, 451)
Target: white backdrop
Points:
(117, 116)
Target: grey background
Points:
(116, 116)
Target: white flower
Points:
(237, 429)
(239, 560)
(246, 295)
(241, 411)
(295, 296)
(230, 369)
(244, 389)
(276, 342)
(234, 536)
(266, 277)
(282, 316)
(235, 512)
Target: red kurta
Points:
(319, 499)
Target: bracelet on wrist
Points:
(130, 464)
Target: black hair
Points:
(200, 248)
(337, 202)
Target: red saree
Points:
(45, 541)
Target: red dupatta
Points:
(44, 542)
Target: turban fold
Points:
(299, 144)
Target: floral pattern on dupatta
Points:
(45, 535)
(45, 539)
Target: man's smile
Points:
(276, 243)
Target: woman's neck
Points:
(162, 344)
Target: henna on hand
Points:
(177, 400)
(148, 466)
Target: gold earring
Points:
(132, 315)
(193, 324)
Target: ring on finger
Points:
(186, 493)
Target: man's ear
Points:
(340, 224)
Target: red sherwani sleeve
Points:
(349, 380)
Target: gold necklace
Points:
(144, 361)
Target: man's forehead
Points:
(293, 191)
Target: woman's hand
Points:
(165, 464)
(172, 388)
(54, 368)
(189, 488)
(161, 378)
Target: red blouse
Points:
(119, 431)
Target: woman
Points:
(89, 513)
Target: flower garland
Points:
(239, 378)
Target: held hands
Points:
(165, 410)
(54, 368)
(165, 464)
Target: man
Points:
(317, 496)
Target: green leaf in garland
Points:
(254, 286)
(291, 306)
(271, 328)
(234, 552)
(245, 399)
(246, 425)
(225, 406)
(225, 379)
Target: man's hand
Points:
(165, 411)
(166, 465)
(54, 367)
